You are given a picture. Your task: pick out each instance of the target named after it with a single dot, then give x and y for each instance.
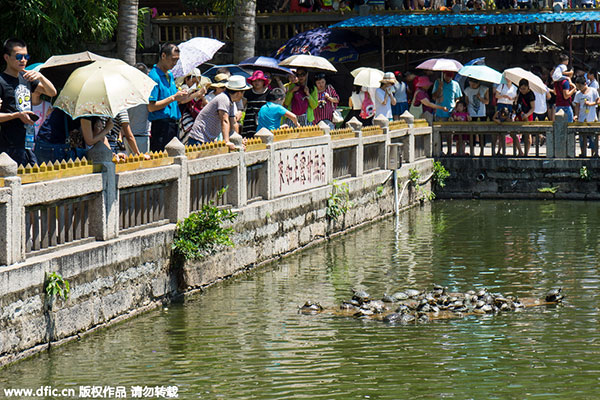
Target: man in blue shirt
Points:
(446, 92)
(163, 107)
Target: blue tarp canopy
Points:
(465, 19)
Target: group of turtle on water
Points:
(414, 306)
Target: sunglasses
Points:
(301, 74)
(20, 57)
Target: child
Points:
(460, 114)
(345, 7)
(269, 115)
(561, 70)
(502, 115)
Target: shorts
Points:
(399, 108)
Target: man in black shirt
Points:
(16, 88)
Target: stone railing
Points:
(547, 139)
(45, 208)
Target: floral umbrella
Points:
(104, 88)
(441, 64)
(194, 52)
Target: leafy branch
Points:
(56, 285)
(202, 233)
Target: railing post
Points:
(239, 192)
(558, 146)
(327, 132)
(12, 222)
(356, 126)
(104, 213)
(384, 124)
(267, 137)
(178, 197)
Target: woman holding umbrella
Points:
(301, 99)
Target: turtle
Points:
(347, 306)
(376, 306)
(388, 298)
(363, 313)
(403, 309)
(311, 307)
(393, 318)
(399, 296)
(407, 319)
(360, 295)
(423, 318)
(554, 295)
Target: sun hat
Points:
(195, 72)
(220, 81)
(389, 77)
(423, 82)
(237, 82)
(258, 75)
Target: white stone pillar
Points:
(178, 196)
(12, 221)
(104, 215)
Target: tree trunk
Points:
(244, 34)
(127, 30)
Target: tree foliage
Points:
(58, 26)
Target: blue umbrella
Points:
(234, 69)
(265, 64)
(335, 45)
(463, 79)
(481, 73)
(34, 67)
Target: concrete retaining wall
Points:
(502, 178)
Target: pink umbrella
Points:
(441, 64)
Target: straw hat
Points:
(220, 81)
(389, 77)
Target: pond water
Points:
(244, 339)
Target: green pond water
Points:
(244, 338)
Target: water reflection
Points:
(244, 338)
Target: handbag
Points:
(337, 117)
(416, 111)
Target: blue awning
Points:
(464, 19)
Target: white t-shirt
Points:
(506, 90)
(593, 84)
(357, 100)
(586, 113)
(380, 108)
(558, 72)
(400, 92)
(541, 105)
(475, 107)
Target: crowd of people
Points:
(298, 6)
(198, 110)
(575, 91)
